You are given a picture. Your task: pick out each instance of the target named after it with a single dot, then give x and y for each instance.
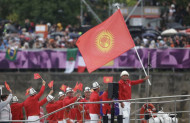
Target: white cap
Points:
(50, 98)
(61, 93)
(87, 89)
(68, 89)
(95, 85)
(15, 99)
(32, 92)
(124, 73)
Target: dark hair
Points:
(95, 89)
(3, 97)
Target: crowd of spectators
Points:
(172, 12)
(26, 38)
(66, 37)
(163, 42)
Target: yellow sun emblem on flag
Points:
(107, 79)
(105, 41)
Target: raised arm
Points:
(135, 82)
(69, 101)
(42, 102)
(72, 100)
(37, 96)
(4, 103)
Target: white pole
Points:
(148, 71)
(81, 13)
(138, 54)
(118, 7)
(133, 10)
(142, 65)
(93, 13)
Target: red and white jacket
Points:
(94, 108)
(125, 88)
(31, 104)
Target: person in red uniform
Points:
(125, 93)
(70, 113)
(16, 110)
(31, 104)
(41, 103)
(87, 93)
(60, 114)
(94, 109)
(50, 107)
(106, 108)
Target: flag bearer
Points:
(125, 93)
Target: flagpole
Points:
(42, 79)
(133, 10)
(118, 7)
(139, 57)
(142, 65)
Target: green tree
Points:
(64, 11)
(13, 17)
(53, 11)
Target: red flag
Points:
(108, 79)
(7, 86)
(37, 76)
(50, 84)
(27, 91)
(105, 42)
(63, 87)
(80, 86)
(76, 87)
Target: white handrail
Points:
(114, 101)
